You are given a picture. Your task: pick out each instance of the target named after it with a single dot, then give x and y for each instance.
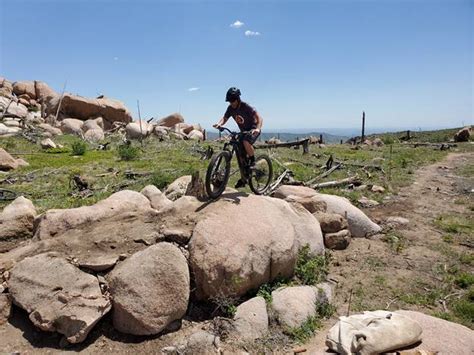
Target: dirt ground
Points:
(369, 274)
(375, 276)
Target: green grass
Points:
(455, 224)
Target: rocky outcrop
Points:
(171, 120)
(53, 222)
(233, 250)
(16, 219)
(86, 108)
(58, 296)
(150, 290)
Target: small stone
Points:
(5, 308)
(376, 188)
(169, 350)
(337, 241)
(367, 203)
(122, 257)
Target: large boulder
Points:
(94, 135)
(233, 249)
(193, 127)
(178, 187)
(294, 305)
(171, 120)
(196, 135)
(72, 126)
(93, 124)
(251, 319)
(6, 131)
(12, 108)
(7, 162)
(463, 135)
(25, 87)
(134, 130)
(85, 108)
(58, 296)
(150, 290)
(440, 336)
(157, 199)
(359, 224)
(53, 222)
(43, 92)
(53, 131)
(16, 219)
(6, 88)
(331, 222)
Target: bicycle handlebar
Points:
(221, 129)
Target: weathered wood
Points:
(349, 180)
(363, 127)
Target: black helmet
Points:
(232, 94)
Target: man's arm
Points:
(259, 122)
(222, 122)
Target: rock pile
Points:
(33, 104)
(140, 250)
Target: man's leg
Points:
(249, 149)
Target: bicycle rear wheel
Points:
(261, 175)
(217, 174)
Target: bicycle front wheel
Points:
(261, 175)
(217, 175)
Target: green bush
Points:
(79, 148)
(311, 270)
(128, 152)
(161, 179)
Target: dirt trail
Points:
(375, 274)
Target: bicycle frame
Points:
(237, 149)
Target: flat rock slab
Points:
(58, 296)
(441, 336)
(150, 290)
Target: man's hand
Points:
(255, 131)
(217, 125)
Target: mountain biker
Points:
(248, 119)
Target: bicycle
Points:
(258, 176)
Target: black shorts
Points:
(249, 138)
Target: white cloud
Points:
(251, 33)
(193, 89)
(237, 24)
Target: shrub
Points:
(79, 148)
(128, 152)
(311, 270)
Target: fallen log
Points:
(349, 180)
(304, 143)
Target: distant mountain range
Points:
(290, 137)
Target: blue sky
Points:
(309, 64)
